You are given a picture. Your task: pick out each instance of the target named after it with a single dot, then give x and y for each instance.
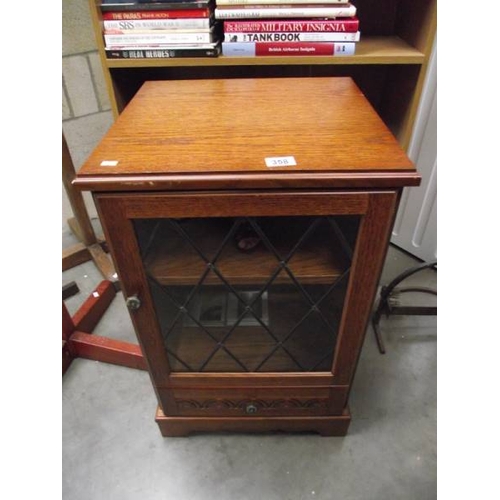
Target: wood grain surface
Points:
(336, 425)
(231, 126)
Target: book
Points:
(210, 50)
(158, 14)
(127, 5)
(158, 24)
(131, 34)
(291, 36)
(284, 11)
(244, 49)
(348, 25)
(158, 38)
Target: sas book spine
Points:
(158, 24)
(252, 49)
(350, 25)
(148, 39)
(166, 53)
(292, 37)
(284, 11)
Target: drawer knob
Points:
(251, 409)
(133, 303)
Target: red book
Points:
(156, 14)
(245, 49)
(346, 25)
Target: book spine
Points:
(152, 6)
(157, 39)
(284, 12)
(278, 2)
(134, 33)
(292, 37)
(252, 49)
(300, 25)
(158, 24)
(156, 14)
(162, 53)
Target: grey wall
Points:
(86, 113)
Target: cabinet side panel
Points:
(369, 258)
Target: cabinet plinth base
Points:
(183, 426)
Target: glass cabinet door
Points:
(248, 294)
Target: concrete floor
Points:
(112, 447)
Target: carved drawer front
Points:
(255, 402)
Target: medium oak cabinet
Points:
(266, 338)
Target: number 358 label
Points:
(280, 161)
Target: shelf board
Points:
(370, 50)
(172, 262)
(251, 345)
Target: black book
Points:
(170, 53)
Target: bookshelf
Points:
(389, 66)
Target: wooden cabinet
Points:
(389, 66)
(262, 339)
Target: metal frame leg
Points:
(384, 305)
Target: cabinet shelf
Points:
(173, 262)
(251, 346)
(369, 50)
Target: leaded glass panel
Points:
(248, 294)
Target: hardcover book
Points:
(158, 38)
(284, 11)
(206, 50)
(158, 24)
(244, 49)
(158, 14)
(292, 37)
(127, 5)
(348, 25)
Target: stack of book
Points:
(136, 29)
(288, 27)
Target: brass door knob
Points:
(133, 303)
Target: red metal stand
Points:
(79, 342)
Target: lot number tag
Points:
(280, 161)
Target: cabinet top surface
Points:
(233, 129)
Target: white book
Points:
(291, 11)
(165, 46)
(292, 37)
(158, 24)
(157, 32)
(157, 39)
